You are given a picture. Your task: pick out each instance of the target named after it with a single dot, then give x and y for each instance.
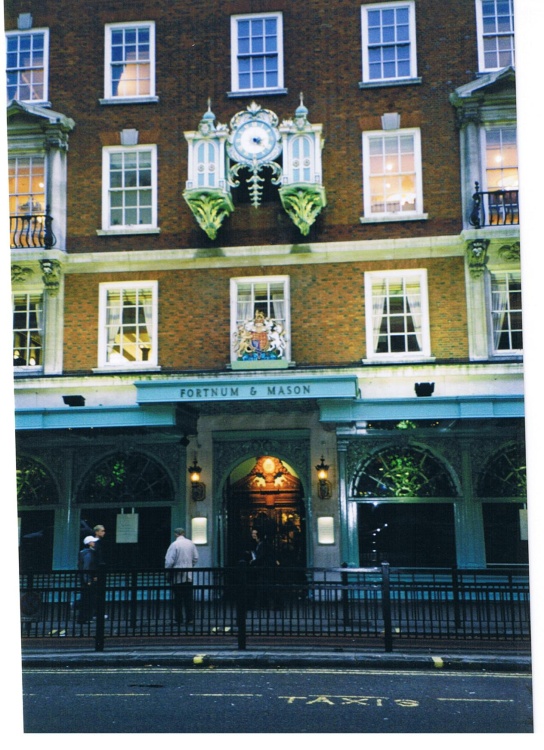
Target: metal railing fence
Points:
(375, 606)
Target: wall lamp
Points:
(74, 400)
(198, 488)
(324, 487)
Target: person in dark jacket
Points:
(86, 564)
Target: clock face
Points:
(254, 140)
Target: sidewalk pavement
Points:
(272, 657)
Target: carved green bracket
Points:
(303, 203)
(210, 208)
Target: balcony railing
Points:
(31, 231)
(494, 208)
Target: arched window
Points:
(404, 472)
(124, 478)
(35, 485)
(505, 475)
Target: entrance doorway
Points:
(265, 494)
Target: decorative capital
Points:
(210, 208)
(477, 257)
(20, 273)
(303, 203)
(510, 252)
(51, 275)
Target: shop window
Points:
(406, 535)
(505, 475)
(126, 479)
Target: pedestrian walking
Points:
(86, 564)
(181, 557)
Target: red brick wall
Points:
(322, 59)
(327, 313)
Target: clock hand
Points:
(256, 139)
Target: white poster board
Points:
(126, 530)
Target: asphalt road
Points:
(215, 700)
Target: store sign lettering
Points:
(245, 392)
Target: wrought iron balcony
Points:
(31, 231)
(494, 208)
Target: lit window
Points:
(257, 53)
(128, 325)
(27, 60)
(130, 188)
(130, 61)
(26, 185)
(392, 174)
(389, 45)
(260, 321)
(501, 158)
(495, 24)
(27, 330)
(506, 312)
(397, 315)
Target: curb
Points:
(267, 659)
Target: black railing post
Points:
(345, 595)
(455, 592)
(241, 605)
(100, 609)
(386, 608)
(49, 237)
(133, 599)
(475, 219)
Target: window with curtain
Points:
(392, 173)
(128, 325)
(27, 330)
(495, 28)
(130, 61)
(27, 63)
(397, 315)
(260, 319)
(506, 312)
(501, 153)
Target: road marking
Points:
(480, 700)
(226, 695)
(112, 695)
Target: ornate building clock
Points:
(253, 144)
(220, 156)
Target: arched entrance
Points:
(264, 493)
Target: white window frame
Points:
(417, 212)
(495, 352)
(371, 277)
(366, 44)
(485, 130)
(44, 67)
(483, 68)
(235, 73)
(104, 289)
(107, 226)
(109, 96)
(31, 294)
(235, 284)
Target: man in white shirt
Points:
(181, 556)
